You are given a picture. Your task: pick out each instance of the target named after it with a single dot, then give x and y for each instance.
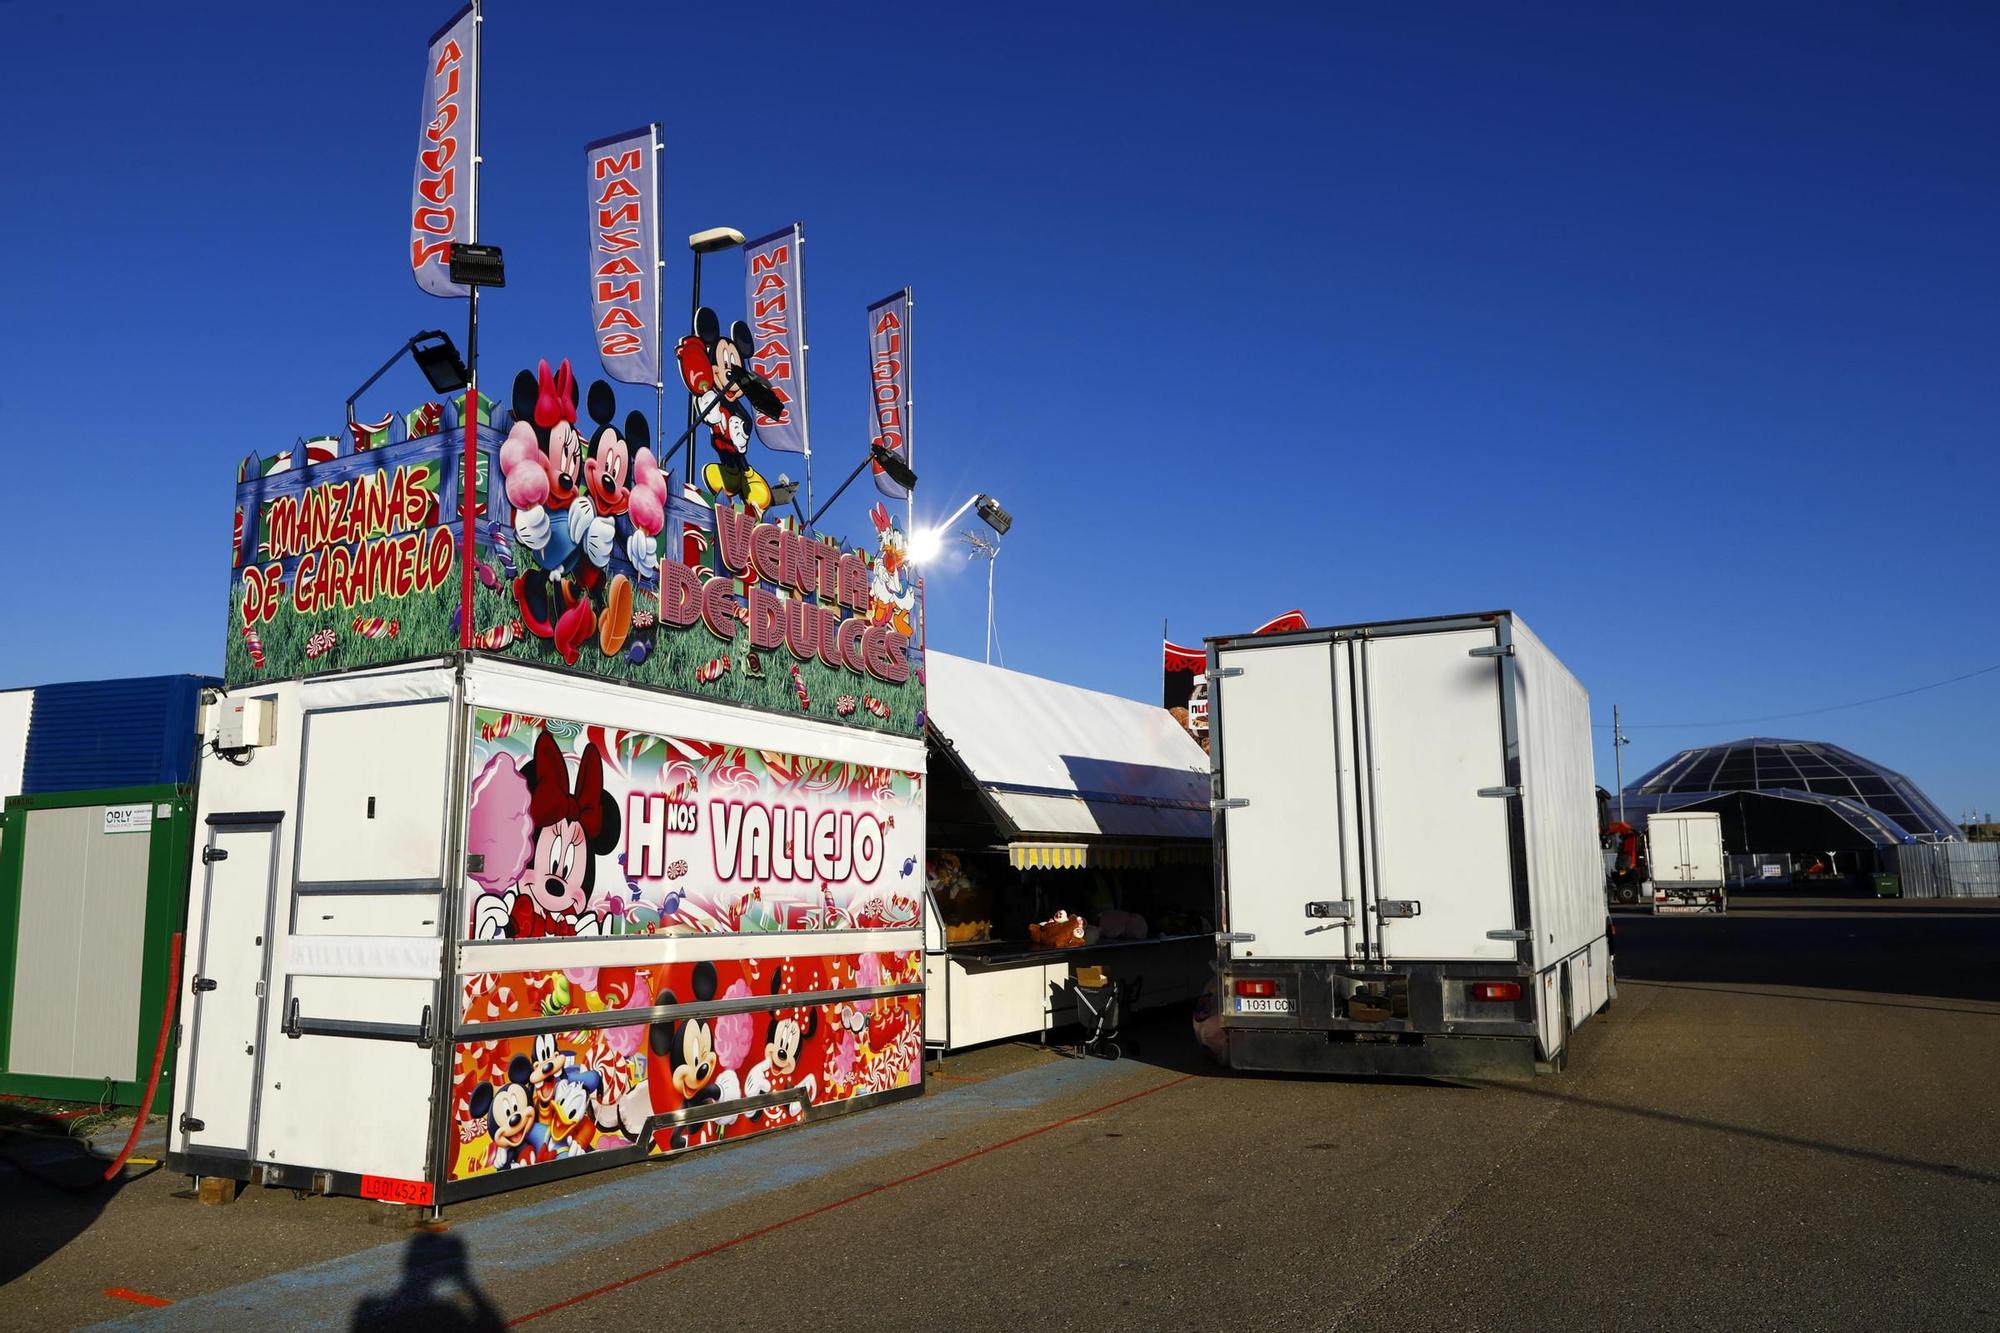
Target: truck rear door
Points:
(1278, 718)
(1439, 856)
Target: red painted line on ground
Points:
(873, 1190)
(136, 1297)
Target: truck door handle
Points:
(203, 984)
(210, 855)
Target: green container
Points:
(1888, 886)
(93, 886)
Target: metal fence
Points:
(1950, 870)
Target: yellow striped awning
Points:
(1046, 855)
(1078, 855)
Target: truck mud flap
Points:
(1290, 1051)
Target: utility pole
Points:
(1618, 744)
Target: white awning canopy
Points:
(1063, 763)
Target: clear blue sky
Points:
(1674, 331)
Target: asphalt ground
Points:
(1786, 1120)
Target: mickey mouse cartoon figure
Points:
(542, 461)
(628, 497)
(571, 830)
(682, 1070)
(714, 369)
(519, 1138)
(783, 1049)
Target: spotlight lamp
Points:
(477, 265)
(994, 516)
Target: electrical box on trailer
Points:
(244, 724)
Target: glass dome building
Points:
(1787, 795)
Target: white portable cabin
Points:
(1408, 872)
(353, 1027)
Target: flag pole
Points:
(659, 286)
(468, 477)
(910, 409)
(805, 377)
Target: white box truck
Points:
(1407, 865)
(1684, 850)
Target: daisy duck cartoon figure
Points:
(890, 593)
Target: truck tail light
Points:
(1256, 989)
(1493, 990)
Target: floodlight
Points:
(782, 491)
(477, 265)
(757, 391)
(439, 360)
(715, 238)
(892, 463)
(925, 543)
(996, 518)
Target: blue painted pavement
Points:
(578, 1230)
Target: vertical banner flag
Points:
(624, 180)
(889, 366)
(774, 298)
(441, 193)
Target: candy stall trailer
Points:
(93, 880)
(1051, 798)
(676, 921)
(574, 854)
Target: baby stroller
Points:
(1099, 1010)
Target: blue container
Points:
(96, 734)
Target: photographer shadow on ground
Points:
(436, 1293)
(52, 1188)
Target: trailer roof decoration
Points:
(589, 558)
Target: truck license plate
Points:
(1278, 1004)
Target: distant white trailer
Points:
(1689, 870)
(1408, 870)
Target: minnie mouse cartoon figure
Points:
(542, 462)
(783, 1050)
(710, 367)
(628, 495)
(571, 829)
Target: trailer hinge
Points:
(1229, 803)
(1235, 937)
(1398, 907)
(1493, 650)
(1225, 673)
(1506, 934)
(1499, 791)
(211, 854)
(1342, 910)
(190, 1125)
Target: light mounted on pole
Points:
(891, 464)
(434, 354)
(477, 265)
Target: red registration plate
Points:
(391, 1190)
